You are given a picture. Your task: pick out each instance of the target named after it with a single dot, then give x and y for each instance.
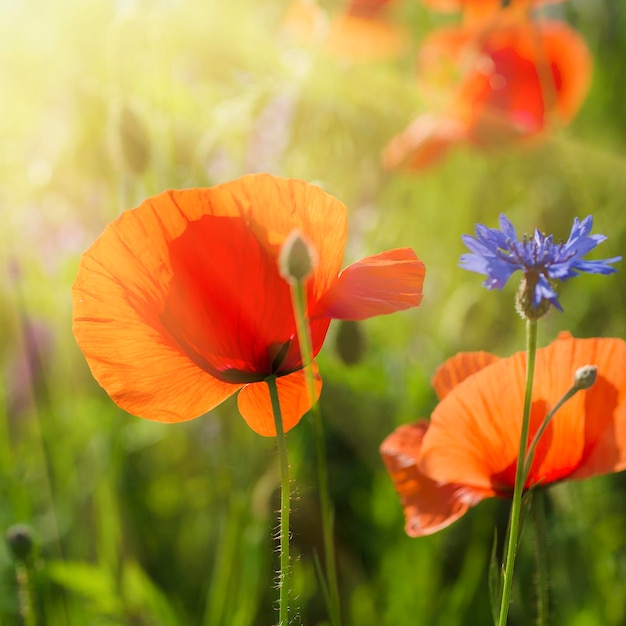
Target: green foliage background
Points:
(139, 523)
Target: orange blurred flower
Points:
(368, 8)
(509, 80)
(179, 304)
(468, 450)
(361, 32)
(483, 8)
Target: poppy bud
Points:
(350, 342)
(297, 258)
(19, 539)
(585, 376)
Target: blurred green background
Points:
(137, 523)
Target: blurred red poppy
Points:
(368, 8)
(180, 304)
(500, 84)
(468, 450)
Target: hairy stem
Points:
(284, 578)
(331, 587)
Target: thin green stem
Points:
(25, 594)
(298, 295)
(541, 562)
(530, 455)
(298, 299)
(516, 508)
(328, 522)
(284, 578)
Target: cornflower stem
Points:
(284, 579)
(516, 507)
(331, 590)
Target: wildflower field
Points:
(342, 425)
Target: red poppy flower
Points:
(508, 81)
(179, 304)
(368, 8)
(468, 450)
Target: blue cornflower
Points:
(499, 253)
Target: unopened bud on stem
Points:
(297, 258)
(19, 540)
(585, 376)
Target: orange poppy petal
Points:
(584, 436)
(604, 407)
(360, 33)
(305, 22)
(359, 38)
(128, 351)
(571, 65)
(217, 306)
(275, 206)
(255, 404)
(428, 506)
(382, 283)
(474, 432)
(480, 7)
(481, 10)
(445, 6)
(456, 369)
(423, 143)
(368, 8)
(501, 98)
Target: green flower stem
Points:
(284, 579)
(530, 455)
(25, 594)
(331, 591)
(541, 562)
(328, 523)
(516, 508)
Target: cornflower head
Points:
(500, 253)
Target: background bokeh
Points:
(138, 523)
